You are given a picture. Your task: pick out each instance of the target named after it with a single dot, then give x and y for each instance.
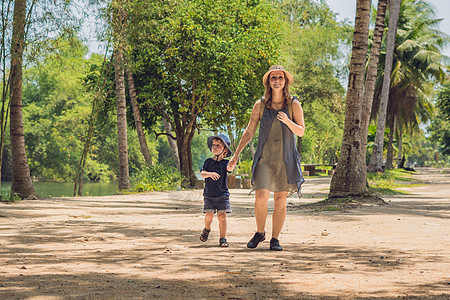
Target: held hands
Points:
(232, 163)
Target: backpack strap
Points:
(290, 107)
(262, 106)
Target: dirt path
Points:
(146, 246)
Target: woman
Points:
(276, 165)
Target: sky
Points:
(347, 9)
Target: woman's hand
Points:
(297, 125)
(232, 163)
(283, 117)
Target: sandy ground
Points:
(146, 246)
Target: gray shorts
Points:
(217, 204)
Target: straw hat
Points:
(288, 75)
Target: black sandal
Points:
(223, 242)
(205, 234)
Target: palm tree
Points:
(118, 22)
(377, 154)
(350, 176)
(418, 65)
(118, 36)
(21, 179)
(371, 74)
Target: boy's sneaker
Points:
(256, 239)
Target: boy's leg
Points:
(222, 217)
(208, 219)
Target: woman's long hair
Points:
(268, 93)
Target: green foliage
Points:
(96, 171)
(245, 168)
(440, 127)
(156, 178)
(56, 108)
(202, 57)
(324, 129)
(6, 196)
(199, 149)
(422, 152)
(57, 99)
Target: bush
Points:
(156, 178)
(5, 195)
(245, 168)
(96, 171)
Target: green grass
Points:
(390, 182)
(331, 208)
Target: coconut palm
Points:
(377, 154)
(418, 64)
(350, 176)
(371, 73)
(118, 21)
(21, 179)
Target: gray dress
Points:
(276, 165)
(270, 172)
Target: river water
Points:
(65, 189)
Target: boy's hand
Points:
(232, 163)
(214, 175)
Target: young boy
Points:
(216, 194)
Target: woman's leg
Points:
(208, 219)
(222, 217)
(279, 212)
(261, 198)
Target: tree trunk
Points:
(400, 158)
(21, 179)
(184, 152)
(119, 27)
(172, 143)
(371, 74)
(185, 129)
(350, 175)
(390, 152)
(124, 180)
(137, 118)
(376, 160)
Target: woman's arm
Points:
(297, 126)
(247, 136)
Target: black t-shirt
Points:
(216, 188)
